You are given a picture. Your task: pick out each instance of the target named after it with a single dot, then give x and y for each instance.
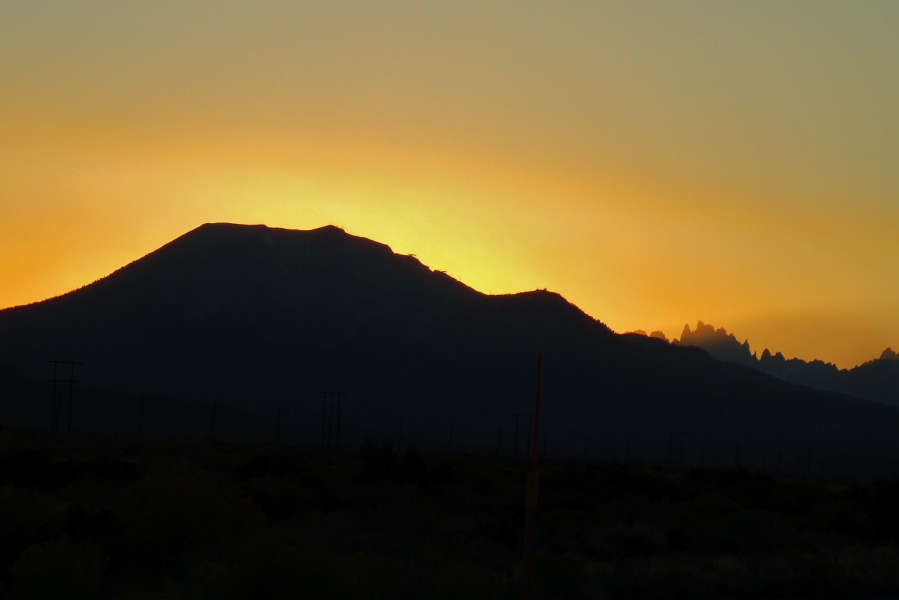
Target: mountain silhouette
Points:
(249, 320)
(717, 342)
(877, 379)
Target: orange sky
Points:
(655, 164)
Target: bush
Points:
(58, 569)
(171, 513)
(28, 517)
(840, 517)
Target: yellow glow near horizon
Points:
(497, 230)
(656, 165)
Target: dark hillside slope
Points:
(236, 302)
(876, 380)
(258, 318)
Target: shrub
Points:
(58, 569)
(171, 513)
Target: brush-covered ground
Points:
(85, 516)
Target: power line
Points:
(530, 418)
(531, 495)
(140, 422)
(681, 435)
(278, 427)
(57, 398)
(331, 426)
(215, 403)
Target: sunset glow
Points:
(656, 165)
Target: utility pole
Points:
(54, 406)
(278, 428)
(330, 423)
(531, 497)
(545, 434)
(528, 438)
(215, 403)
(324, 401)
(515, 446)
(670, 451)
(808, 450)
(529, 417)
(340, 396)
(140, 422)
(331, 404)
(71, 392)
(58, 391)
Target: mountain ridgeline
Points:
(876, 379)
(247, 332)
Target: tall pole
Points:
(215, 403)
(324, 414)
(278, 428)
(670, 453)
(531, 499)
(71, 393)
(140, 422)
(337, 435)
(58, 391)
(545, 434)
(515, 446)
(668, 450)
(528, 438)
(330, 422)
(54, 421)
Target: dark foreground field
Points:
(126, 518)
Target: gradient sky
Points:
(656, 163)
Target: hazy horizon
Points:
(654, 164)
(755, 349)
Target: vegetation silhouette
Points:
(138, 518)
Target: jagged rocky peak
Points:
(888, 354)
(767, 356)
(717, 342)
(702, 330)
(707, 332)
(659, 335)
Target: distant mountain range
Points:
(234, 331)
(874, 380)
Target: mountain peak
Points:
(717, 342)
(223, 229)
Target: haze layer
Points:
(654, 164)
